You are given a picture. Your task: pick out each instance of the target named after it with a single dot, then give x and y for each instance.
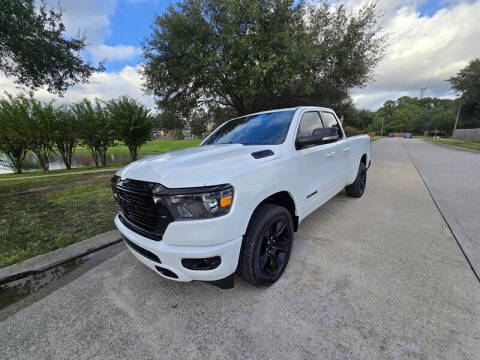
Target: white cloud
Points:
(423, 51)
(104, 86)
(113, 53)
(89, 16)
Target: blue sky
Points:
(429, 41)
(130, 24)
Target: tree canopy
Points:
(34, 50)
(417, 115)
(467, 83)
(261, 54)
(131, 122)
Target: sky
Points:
(429, 41)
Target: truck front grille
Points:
(137, 209)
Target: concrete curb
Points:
(45, 261)
(453, 147)
(61, 174)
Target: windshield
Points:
(261, 129)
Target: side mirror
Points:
(318, 137)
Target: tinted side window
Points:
(331, 121)
(309, 122)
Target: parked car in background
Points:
(408, 135)
(234, 202)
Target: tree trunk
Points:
(133, 152)
(66, 150)
(43, 158)
(102, 154)
(16, 161)
(93, 151)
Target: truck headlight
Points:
(196, 203)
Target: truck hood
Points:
(199, 166)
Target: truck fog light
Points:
(202, 263)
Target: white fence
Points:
(467, 134)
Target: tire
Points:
(267, 245)
(357, 189)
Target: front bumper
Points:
(171, 256)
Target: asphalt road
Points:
(380, 277)
(453, 177)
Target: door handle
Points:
(347, 148)
(330, 154)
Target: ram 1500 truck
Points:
(234, 202)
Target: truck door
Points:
(339, 161)
(316, 173)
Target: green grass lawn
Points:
(472, 145)
(150, 148)
(44, 214)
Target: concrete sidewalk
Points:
(379, 277)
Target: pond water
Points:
(56, 162)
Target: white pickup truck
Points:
(234, 202)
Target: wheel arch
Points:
(364, 159)
(283, 198)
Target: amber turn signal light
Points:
(225, 201)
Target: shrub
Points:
(351, 131)
(14, 122)
(42, 132)
(132, 123)
(66, 134)
(95, 129)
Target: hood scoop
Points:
(262, 153)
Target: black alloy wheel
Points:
(358, 187)
(267, 245)
(275, 248)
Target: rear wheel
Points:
(358, 187)
(267, 245)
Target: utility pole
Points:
(423, 90)
(383, 120)
(456, 120)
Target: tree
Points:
(95, 129)
(218, 114)
(171, 123)
(14, 122)
(42, 132)
(363, 119)
(66, 134)
(34, 50)
(199, 122)
(412, 114)
(132, 123)
(467, 83)
(260, 54)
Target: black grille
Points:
(137, 208)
